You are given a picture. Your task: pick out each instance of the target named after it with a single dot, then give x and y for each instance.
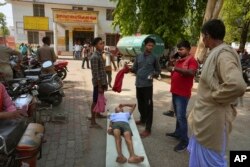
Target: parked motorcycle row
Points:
(245, 63)
(21, 140)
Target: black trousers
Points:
(144, 97)
(83, 62)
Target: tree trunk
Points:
(243, 36)
(213, 9)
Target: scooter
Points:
(50, 86)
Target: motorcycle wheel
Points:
(57, 99)
(62, 74)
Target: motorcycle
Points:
(198, 73)
(24, 96)
(20, 142)
(61, 69)
(50, 89)
(163, 61)
(31, 64)
(245, 63)
(50, 86)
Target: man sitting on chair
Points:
(119, 126)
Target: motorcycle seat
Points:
(33, 70)
(15, 80)
(32, 137)
(11, 132)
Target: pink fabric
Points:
(119, 78)
(101, 103)
(7, 104)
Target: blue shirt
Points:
(144, 66)
(120, 117)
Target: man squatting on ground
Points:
(119, 126)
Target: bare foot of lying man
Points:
(119, 126)
(121, 159)
(136, 159)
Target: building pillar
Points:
(96, 30)
(71, 42)
(55, 37)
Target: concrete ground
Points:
(75, 144)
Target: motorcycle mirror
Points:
(47, 64)
(23, 82)
(15, 85)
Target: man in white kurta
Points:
(221, 83)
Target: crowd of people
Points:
(28, 49)
(210, 120)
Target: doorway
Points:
(83, 36)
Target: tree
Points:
(3, 27)
(213, 9)
(194, 19)
(236, 15)
(2, 4)
(165, 18)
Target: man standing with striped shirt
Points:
(99, 78)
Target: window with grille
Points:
(90, 9)
(51, 36)
(77, 8)
(19, 28)
(33, 37)
(38, 10)
(111, 39)
(109, 14)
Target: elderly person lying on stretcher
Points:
(119, 126)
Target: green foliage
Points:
(3, 28)
(2, 4)
(235, 13)
(194, 19)
(125, 16)
(170, 19)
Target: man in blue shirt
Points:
(146, 67)
(119, 126)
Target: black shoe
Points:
(182, 146)
(169, 113)
(174, 135)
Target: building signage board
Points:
(69, 16)
(84, 29)
(36, 23)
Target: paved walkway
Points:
(73, 144)
(67, 141)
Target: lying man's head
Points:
(118, 109)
